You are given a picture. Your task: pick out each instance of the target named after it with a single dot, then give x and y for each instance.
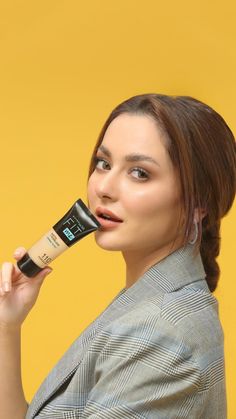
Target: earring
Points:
(193, 241)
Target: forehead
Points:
(130, 133)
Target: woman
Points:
(162, 176)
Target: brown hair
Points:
(202, 148)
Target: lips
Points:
(104, 213)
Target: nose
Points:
(107, 186)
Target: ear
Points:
(199, 214)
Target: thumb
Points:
(38, 279)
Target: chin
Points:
(107, 244)
(104, 242)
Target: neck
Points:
(137, 262)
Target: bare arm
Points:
(16, 300)
(12, 400)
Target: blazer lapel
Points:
(68, 364)
(173, 272)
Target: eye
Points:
(100, 163)
(142, 174)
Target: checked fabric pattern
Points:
(156, 351)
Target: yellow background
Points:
(64, 65)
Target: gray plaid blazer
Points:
(156, 351)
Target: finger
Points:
(1, 289)
(19, 253)
(7, 269)
(43, 273)
(39, 279)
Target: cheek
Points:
(90, 189)
(148, 201)
(159, 206)
(138, 199)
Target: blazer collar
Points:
(176, 270)
(171, 273)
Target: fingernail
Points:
(17, 253)
(6, 286)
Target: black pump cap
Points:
(28, 267)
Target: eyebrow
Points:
(130, 157)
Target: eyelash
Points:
(138, 169)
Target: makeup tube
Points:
(77, 223)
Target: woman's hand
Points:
(18, 293)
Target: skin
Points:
(149, 205)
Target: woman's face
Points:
(144, 192)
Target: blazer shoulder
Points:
(185, 319)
